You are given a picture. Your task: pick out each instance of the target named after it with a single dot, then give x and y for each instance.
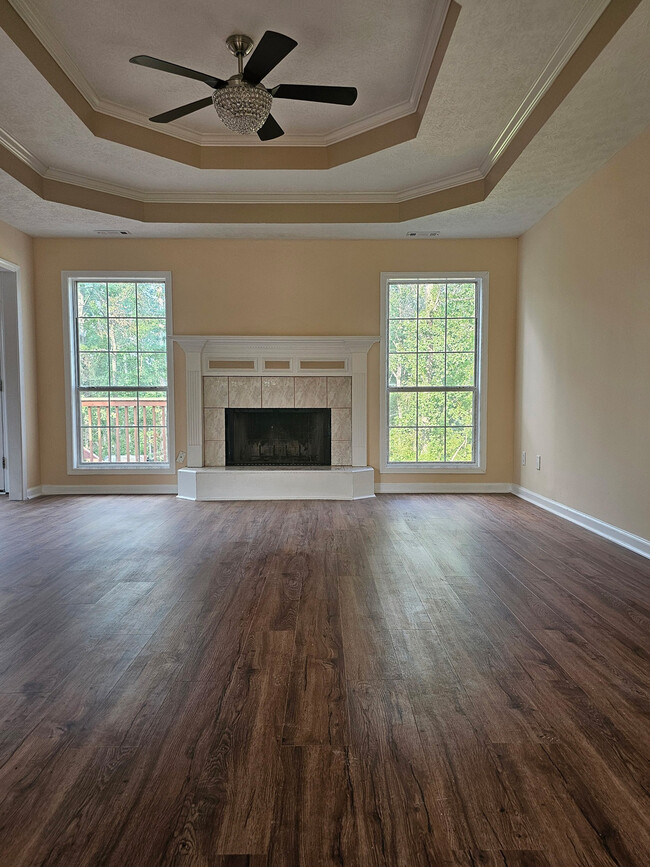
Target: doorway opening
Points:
(13, 476)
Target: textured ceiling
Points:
(494, 58)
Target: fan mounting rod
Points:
(240, 45)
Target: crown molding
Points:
(181, 133)
(579, 28)
(288, 197)
(14, 147)
(120, 112)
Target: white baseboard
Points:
(628, 540)
(36, 491)
(443, 488)
(53, 490)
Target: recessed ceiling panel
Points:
(377, 46)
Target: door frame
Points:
(13, 384)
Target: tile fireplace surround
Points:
(275, 373)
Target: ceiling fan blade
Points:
(270, 129)
(182, 110)
(175, 69)
(316, 93)
(271, 49)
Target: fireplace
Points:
(278, 437)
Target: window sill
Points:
(431, 469)
(126, 469)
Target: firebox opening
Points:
(278, 437)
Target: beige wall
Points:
(17, 248)
(583, 356)
(276, 288)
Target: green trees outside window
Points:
(432, 340)
(121, 355)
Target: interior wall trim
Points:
(57, 490)
(443, 487)
(27, 31)
(608, 531)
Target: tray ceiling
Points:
(504, 60)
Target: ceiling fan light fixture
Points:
(242, 107)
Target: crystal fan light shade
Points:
(243, 107)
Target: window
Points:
(434, 337)
(119, 372)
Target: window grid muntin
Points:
(111, 389)
(417, 389)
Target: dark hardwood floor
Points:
(410, 680)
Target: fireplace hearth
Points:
(278, 437)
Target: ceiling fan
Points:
(242, 102)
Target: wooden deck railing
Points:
(95, 418)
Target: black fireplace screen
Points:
(278, 437)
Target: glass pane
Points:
(93, 369)
(93, 409)
(431, 335)
(91, 299)
(124, 409)
(153, 368)
(124, 445)
(124, 368)
(402, 335)
(401, 369)
(403, 300)
(431, 300)
(402, 409)
(153, 442)
(460, 368)
(431, 409)
(460, 409)
(401, 444)
(95, 442)
(459, 444)
(431, 368)
(153, 409)
(151, 299)
(461, 299)
(431, 444)
(92, 334)
(121, 299)
(152, 335)
(123, 335)
(460, 335)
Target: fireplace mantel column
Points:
(359, 409)
(193, 349)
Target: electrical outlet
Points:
(523, 459)
(538, 462)
(180, 457)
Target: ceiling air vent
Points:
(111, 233)
(423, 234)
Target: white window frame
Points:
(479, 465)
(75, 466)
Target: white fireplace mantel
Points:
(240, 347)
(227, 355)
